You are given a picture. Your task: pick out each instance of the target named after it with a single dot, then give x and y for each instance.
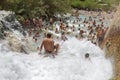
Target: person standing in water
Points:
(49, 45)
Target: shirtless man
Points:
(49, 45)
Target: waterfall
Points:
(69, 64)
(12, 31)
(9, 22)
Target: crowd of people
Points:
(93, 28)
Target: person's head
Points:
(63, 33)
(56, 29)
(81, 31)
(67, 26)
(76, 36)
(49, 35)
(87, 55)
(57, 37)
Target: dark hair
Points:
(49, 35)
(63, 33)
(78, 28)
(87, 55)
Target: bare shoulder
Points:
(44, 40)
(47, 40)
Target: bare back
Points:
(48, 44)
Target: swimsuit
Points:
(48, 51)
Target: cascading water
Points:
(69, 64)
(12, 31)
(10, 22)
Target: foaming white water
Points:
(4, 14)
(69, 64)
(10, 22)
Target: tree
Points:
(57, 6)
(32, 8)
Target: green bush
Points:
(92, 4)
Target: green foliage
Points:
(33, 8)
(49, 8)
(57, 6)
(94, 4)
(21, 19)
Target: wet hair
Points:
(78, 28)
(76, 36)
(67, 26)
(49, 35)
(63, 33)
(87, 55)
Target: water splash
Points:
(69, 64)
